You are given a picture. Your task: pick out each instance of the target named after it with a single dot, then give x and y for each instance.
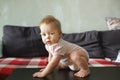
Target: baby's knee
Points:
(74, 68)
(62, 65)
(84, 58)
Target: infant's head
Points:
(50, 30)
(51, 22)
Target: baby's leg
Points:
(80, 59)
(84, 69)
(62, 66)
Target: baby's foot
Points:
(82, 73)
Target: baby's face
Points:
(50, 34)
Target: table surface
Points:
(97, 73)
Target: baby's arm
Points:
(50, 67)
(49, 57)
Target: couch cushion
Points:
(110, 41)
(21, 41)
(88, 40)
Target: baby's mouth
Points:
(48, 42)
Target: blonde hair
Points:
(51, 20)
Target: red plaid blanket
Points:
(8, 65)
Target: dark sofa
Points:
(25, 41)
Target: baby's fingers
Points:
(41, 70)
(35, 74)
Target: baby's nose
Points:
(47, 36)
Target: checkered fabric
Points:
(8, 65)
(23, 62)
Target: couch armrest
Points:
(0, 48)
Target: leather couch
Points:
(25, 41)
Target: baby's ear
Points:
(61, 34)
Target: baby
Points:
(62, 54)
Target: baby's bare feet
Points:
(82, 73)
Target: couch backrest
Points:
(88, 40)
(22, 41)
(110, 42)
(25, 41)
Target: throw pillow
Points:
(113, 23)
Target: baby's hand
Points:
(41, 70)
(38, 75)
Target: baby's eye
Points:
(51, 33)
(42, 34)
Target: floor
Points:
(97, 73)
